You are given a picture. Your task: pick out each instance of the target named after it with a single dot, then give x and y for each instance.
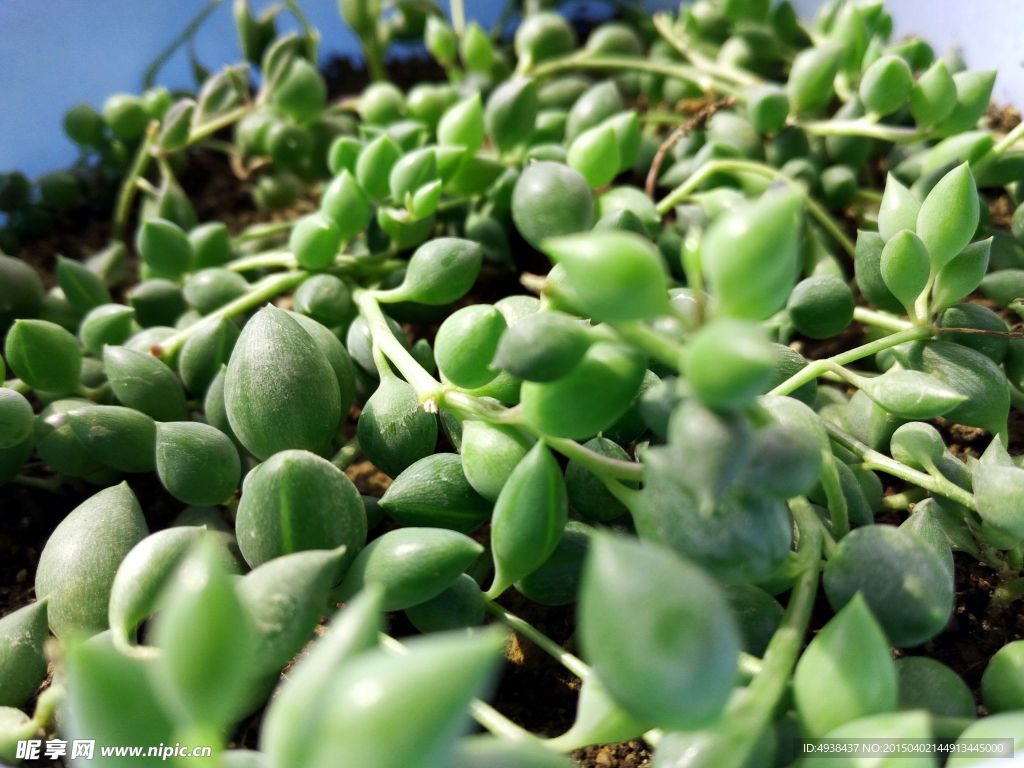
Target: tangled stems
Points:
(262, 291)
(878, 461)
(680, 193)
(749, 712)
(813, 370)
(663, 23)
(585, 60)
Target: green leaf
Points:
(212, 288)
(968, 372)
(122, 438)
(1002, 685)
(394, 431)
(315, 240)
(767, 108)
(476, 49)
(164, 248)
(434, 493)
(197, 463)
(489, 454)
(413, 565)
(17, 420)
(529, 516)
(587, 494)
(77, 566)
(297, 501)
(997, 492)
(592, 397)
(543, 35)
(933, 96)
(427, 689)
(373, 167)
(750, 256)
(301, 93)
(894, 726)
(928, 684)
(441, 271)
(810, 79)
(460, 606)
(899, 209)
(542, 347)
(156, 302)
(285, 598)
(463, 125)
(110, 699)
(949, 216)
(106, 324)
(144, 383)
(821, 306)
(867, 265)
(21, 291)
(280, 391)
(615, 276)
(729, 362)
(293, 713)
(973, 91)
(886, 84)
(594, 106)
(141, 578)
(658, 633)
(599, 719)
(911, 394)
(441, 40)
(903, 580)
(1006, 725)
(511, 112)
(43, 355)
(961, 275)
(917, 445)
(551, 199)
(346, 204)
(82, 287)
(207, 643)
(846, 673)
(22, 666)
(1004, 286)
(595, 154)
(326, 299)
(205, 351)
(556, 581)
(465, 345)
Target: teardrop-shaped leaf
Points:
(463, 124)
(949, 216)
(441, 271)
(961, 275)
(280, 391)
(911, 394)
(297, 501)
(293, 713)
(77, 566)
(968, 372)
(394, 431)
(615, 276)
(868, 270)
(207, 642)
(165, 248)
(346, 203)
(143, 382)
(197, 463)
(17, 420)
(997, 492)
(82, 287)
(110, 699)
(847, 672)
(285, 598)
(658, 633)
(119, 437)
(43, 355)
(749, 257)
(490, 452)
(511, 112)
(587, 494)
(542, 347)
(460, 606)
(529, 516)
(411, 564)
(204, 353)
(106, 324)
(22, 666)
(928, 684)
(427, 689)
(434, 493)
(551, 199)
(903, 580)
(905, 266)
(933, 96)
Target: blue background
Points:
(57, 53)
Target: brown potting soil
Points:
(534, 691)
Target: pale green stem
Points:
(211, 127)
(257, 231)
(262, 261)
(347, 454)
(486, 715)
(458, 10)
(129, 185)
(838, 509)
(711, 167)
(750, 712)
(879, 319)
(149, 78)
(878, 461)
(566, 659)
(1001, 146)
(653, 343)
(902, 501)
(427, 387)
(663, 23)
(310, 32)
(18, 386)
(264, 290)
(814, 369)
(921, 315)
(584, 60)
(869, 195)
(862, 128)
